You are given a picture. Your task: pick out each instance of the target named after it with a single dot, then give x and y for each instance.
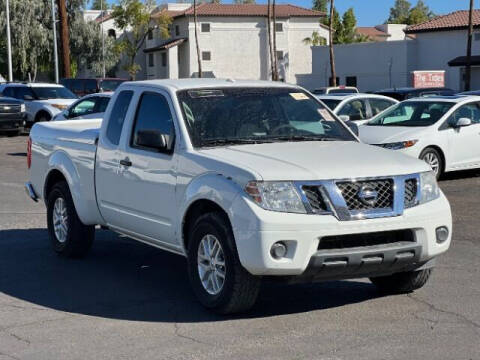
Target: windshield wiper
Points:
(215, 142)
(303, 138)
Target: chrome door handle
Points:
(126, 162)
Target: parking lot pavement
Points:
(127, 300)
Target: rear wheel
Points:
(69, 236)
(218, 279)
(403, 282)
(433, 158)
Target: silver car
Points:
(88, 107)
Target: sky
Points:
(374, 12)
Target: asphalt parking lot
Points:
(130, 301)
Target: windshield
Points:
(53, 92)
(255, 115)
(110, 85)
(413, 113)
(332, 104)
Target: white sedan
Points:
(88, 107)
(443, 131)
(357, 107)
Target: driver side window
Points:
(469, 111)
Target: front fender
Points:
(210, 186)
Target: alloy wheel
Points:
(60, 220)
(211, 264)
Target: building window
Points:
(351, 81)
(279, 55)
(151, 60)
(164, 59)
(206, 55)
(205, 27)
(111, 33)
(177, 30)
(330, 81)
(278, 27)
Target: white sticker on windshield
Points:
(299, 96)
(326, 115)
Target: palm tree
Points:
(314, 40)
(199, 60)
(332, 57)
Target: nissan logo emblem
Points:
(367, 195)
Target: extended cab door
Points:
(144, 204)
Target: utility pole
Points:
(199, 59)
(62, 9)
(9, 43)
(332, 57)
(468, 68)
(103, 39)
(55, 50)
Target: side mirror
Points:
(344, 118)
(28, 97)
(153, 139)
(463, 122)
(353, 127)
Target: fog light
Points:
(442, 234)
(278, 250)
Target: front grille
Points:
(411, 189)
(9, 109)
(367, 239)
(351, 191)
(315, 198)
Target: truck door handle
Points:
(125, 162)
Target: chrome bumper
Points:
(30, 192)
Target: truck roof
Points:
(181, 84)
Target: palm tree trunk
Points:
(269, 34)
(275, 64)
(332, 56)
(199, 60)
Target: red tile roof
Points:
(457, 20)
(281, 11)
(372, 32)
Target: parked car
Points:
(357, 107)
(42, 101)
(443, 131)
(89, 107)
(12, 116)
(82, 87)
(247, 179)
(335, 90)
(470, 93)
(405, 93)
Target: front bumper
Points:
(12, 121)
(256, 230)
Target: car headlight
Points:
(276, 196)
(60, 106)
(429, 189)
(22, 108)
(399, 145)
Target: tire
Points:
(43, 117)
(75, 240)
(402, 283)
(432, 157)
(239, 289)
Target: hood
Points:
(388, 134)
(66, 102)
(316, 160)
(12, 101)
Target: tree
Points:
(332, 57)
(337, 26)
(99, 5)
(349, 24)
(419, 14)
(135, 19)
(320, 5)
(315, 40)
(199, 60)
(399, 12)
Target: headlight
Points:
(22, 108)
(60, 106)
(276, 196)
(429, 189)
(399, 145)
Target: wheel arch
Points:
(42, 112)
(440, 152)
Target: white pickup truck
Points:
(248, 180)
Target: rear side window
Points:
(117, 116)
(153, 113)
(22, 91)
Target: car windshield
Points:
(332, 104)
(53, 92)
(255, 115)
(413, 113)
(110, 85)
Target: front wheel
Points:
(218, 279)
(403, 282)
(69, 236)
(432, 157)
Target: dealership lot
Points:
(127, 300)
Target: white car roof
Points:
(457, 99)
(341, 97)
(108, 94)
(181, 84)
